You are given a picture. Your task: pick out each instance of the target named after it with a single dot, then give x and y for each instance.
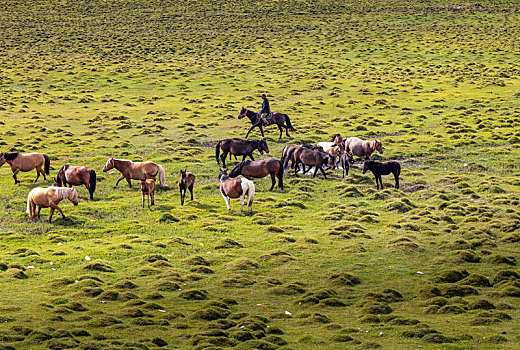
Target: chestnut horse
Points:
(186, 181)
(312, 158)
(49, 197)
(239, 147)
(281, 120)
(130, 170)
(362, 148)
(286, 151)
(259, 169)
(77, 175)
(148, 189)
(26, 162)
(236, 188)
(384, 168)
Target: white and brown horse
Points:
(236, 188)
(135, 171)
(362, 148)
(49, 197)
(26, 162)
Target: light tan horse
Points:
(362, 148)
(130, 170)
(49, 197)
(26, 162)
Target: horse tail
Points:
(28, 211)
(162, 176)
(288, 156)
(283, 155)
(250, 194)
(92, 183)
(289, 122)
(280, 175)
(47, 164)
(217, 152)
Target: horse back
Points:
(232, 187)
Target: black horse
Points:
(280, 119)
(239, 147)
(383, 168)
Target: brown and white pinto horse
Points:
(77, 175)
(236, 188)
(362, 148)
(26, 162)
(49, 197)
(135, 171)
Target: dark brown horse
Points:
(280, 119)
(239, 147)
(259, 169)
(384, 168)
(312, 159)
(186, 181)
(286, 151)
(26, 162)
(346, 160)
(77, 175)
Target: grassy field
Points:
(325, 264)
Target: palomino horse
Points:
(49, 197)
(312, 158)
(77, 175)
(362, 148)
(236, 188)
(280, 119)
(239, 147)
(186, 181)
(135, 171)
(384, 168)
(148, 189)
(259, 169)
(26, 162)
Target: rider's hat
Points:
(263, 95)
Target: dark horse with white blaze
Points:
(384, 168)
(77, 175)
(281, 120)
(259, 169)
(239, 147)
(26, 162)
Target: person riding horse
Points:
(265, 112)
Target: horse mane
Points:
(238, 168)
(334, 137)
(62, 192)
(63, 168)
(11, 155)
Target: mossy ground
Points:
(324, 264)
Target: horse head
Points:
(243, 113)
(263, 146)
(223, 174)
(57, 181)
(109, 164)
(379, 146)
(73, 196)
(365, 166)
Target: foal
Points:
(148, 189)
(383, 168)
(186, 181)
(346, 160)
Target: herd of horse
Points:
(339, 152)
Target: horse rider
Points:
(265, 112)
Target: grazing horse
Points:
(346, 161)
(259, 169)
(148, 189)
(77, 175)
(26, 162)
(239, 147)
(186, 181)
(312, 158)
(236, 188)
(286, 150)
(130, 170)
(49, 197)
(384, 168)
(280, 119)
(362, 148)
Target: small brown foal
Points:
(148, 189)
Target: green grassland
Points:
(324, 264)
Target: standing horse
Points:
(26, 162)
(336, 140)
(384, 168)
(135, 171)
(77, 175)
(259, 169)
(239, 147)
(49, 197)
(148, 189)
(346, 161)
(362, 148)
(236, 188)
(286, 151)
(186, 181)
(281, 120)
(312, 158)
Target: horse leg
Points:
(55, 206)
(14, 176)
(50, 216)
(37, 174)
(39, 208)
(242, 197)
(396, 180)
(226, 198)
(295, 167)
(273, 181)
(316, 171)
(153, 198)
(223, 159)
(286, 131)
(121, 178)
(148, 196)
(191, 191)
(261, 129)
(322, 171)
(129, 182)
(142, 194)
(280, 128)
(250, 131)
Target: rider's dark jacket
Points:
(265, 107)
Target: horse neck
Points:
(62, 192)
(252, 115)
(121, 164)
